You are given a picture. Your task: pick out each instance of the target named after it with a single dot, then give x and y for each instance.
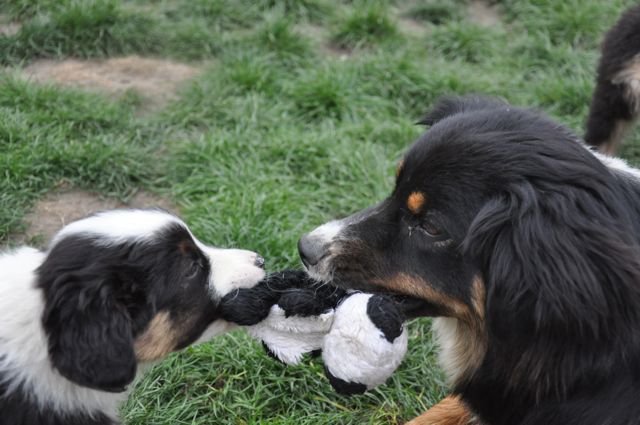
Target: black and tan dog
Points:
(616, 101)
(114, 291)
(526, 247)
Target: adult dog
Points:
(113, 291)
(526, 247)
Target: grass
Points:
(279, 133)
(369, 23)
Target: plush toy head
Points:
(361, 336)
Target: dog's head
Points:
(129, 286)
(500, 216)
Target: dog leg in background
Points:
(450, 411)
(616, 100)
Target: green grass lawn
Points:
(300, 114)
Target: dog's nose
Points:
(311, 251)
(259, 262)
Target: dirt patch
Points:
(57, 209)
(155, 81)
(412, 27)
(320, 36)
(483, 13)
(337, 51)
(8, 27)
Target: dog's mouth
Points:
(411, 306)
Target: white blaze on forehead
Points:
(120, 225)
(327, 231)
(330, 230)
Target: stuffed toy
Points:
(360, 336)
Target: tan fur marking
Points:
(478, 296)
(629, 76)
(463, 340)
(629, 79)
(399, 167)
(450, 411)
(461, 336)
(416, 201)
(416, 287)
(159, 339)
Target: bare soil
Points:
(8, 27)
(156, 81)
(412, 27)
(321, 36)
(483, 13)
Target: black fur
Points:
(515, 203)
(609, 106)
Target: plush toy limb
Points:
(293, 290)
(361, 336)
(450, 411)
(288, 311)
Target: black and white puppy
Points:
(616, 101)
(114, 291)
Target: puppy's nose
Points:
(311, 251)
(259, 261)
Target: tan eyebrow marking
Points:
(416, 201)
(399, 167)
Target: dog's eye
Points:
(193, 270)
(432, 230)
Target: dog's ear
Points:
(557, 261)
(87, 320)
(451, 105)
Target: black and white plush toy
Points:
(361, 336)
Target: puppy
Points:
(526, 247)
(113, 292)
(616, 101)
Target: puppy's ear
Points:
(87, 321)
(451, 105)
(557, 261)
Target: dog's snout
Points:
(259, 261)
(311, 250)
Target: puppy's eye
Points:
(193, 270)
